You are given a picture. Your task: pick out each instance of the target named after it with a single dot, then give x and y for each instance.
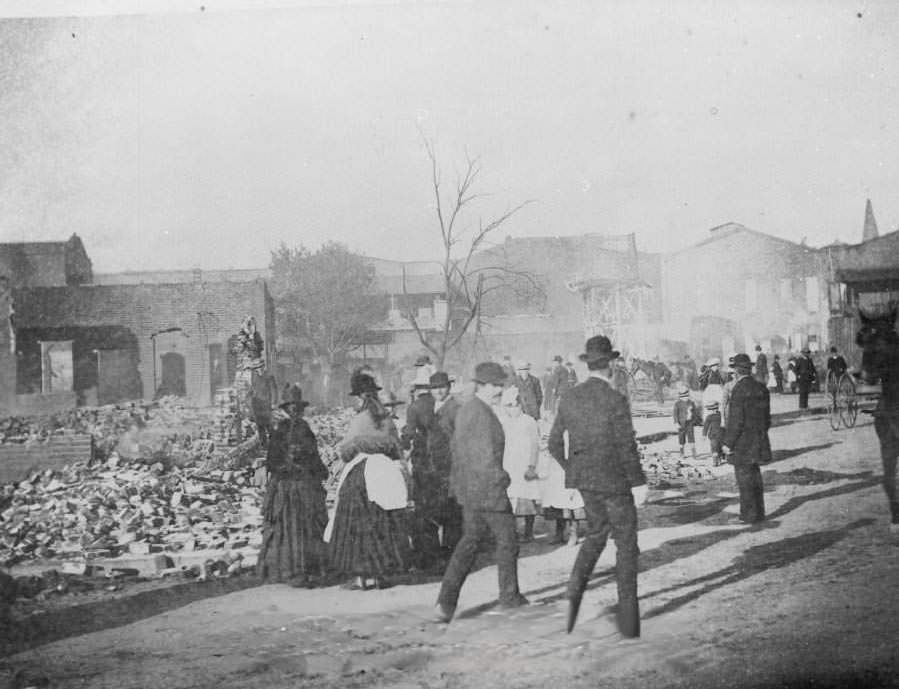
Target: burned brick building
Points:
(72, 341)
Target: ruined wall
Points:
(7, 349)
(183, 319)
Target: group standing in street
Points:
(460, 476)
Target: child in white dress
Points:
(520, 460)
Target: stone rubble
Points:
(170, 479)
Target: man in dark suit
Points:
(806, 376)
(445, 511)
(604, 465)
(836, 364)
(761, 366)
(746, 438)
(478, 482)
(420, 419)
(530, 393)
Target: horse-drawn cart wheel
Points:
(833, 410)
(847, 400)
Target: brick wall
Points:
(197, 315)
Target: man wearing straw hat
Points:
(603, 463)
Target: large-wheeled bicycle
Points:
(842, 400)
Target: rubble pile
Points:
(162, 429)
(163, 484)
(330, 428)
(81, 512)
(663, 467)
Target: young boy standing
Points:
(684, 412)
(711, 429)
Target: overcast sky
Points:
(173, 139)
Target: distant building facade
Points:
(740, 288)
(71, 337)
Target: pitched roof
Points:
(875, 259)
(729, 229)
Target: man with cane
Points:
(603, 463)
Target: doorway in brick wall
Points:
(173, 375)
(218, 369)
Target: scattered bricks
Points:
(138, 509)
(144, 566)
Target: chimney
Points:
(870, 231)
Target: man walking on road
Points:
(604, 465)
(478, 482)
(761, 366)
(746, 438)
(529, 391)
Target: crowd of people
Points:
(458, 474)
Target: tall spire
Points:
(870, 231)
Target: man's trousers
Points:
(615, 515)
(475, 529)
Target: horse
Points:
(879, 342)
(656, 372)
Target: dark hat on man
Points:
(599, 348)
(489, 372)
(742, 361)
(362, 383)
(558, 357)
(440, 379)
(833, 350)
(758, 348)
(423, 360)
(292, 395)
(806, 350)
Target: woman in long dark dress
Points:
(294, 511)
(368, 539)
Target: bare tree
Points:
(469, 273)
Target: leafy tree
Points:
(325, 299)
(470, 272)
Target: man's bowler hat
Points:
(742, 361)
(489, 372)
(440, 380)
(599, 348)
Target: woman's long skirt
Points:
(294, 518)
(367, 540)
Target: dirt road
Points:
(808, 599)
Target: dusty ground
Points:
(806, 600)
